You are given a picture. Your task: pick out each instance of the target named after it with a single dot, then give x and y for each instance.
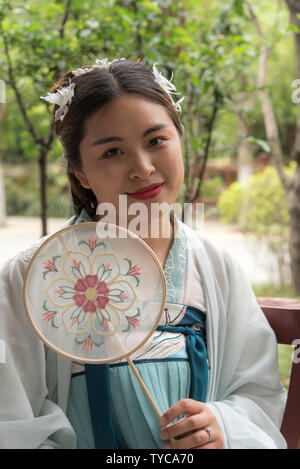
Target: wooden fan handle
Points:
(146, 392)
(142, 384)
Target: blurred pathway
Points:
(21, 232)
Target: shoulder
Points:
(19, 263)
(229, 278)
(219, 257)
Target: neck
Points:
(159, 236)
(161, 241)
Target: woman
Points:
(217, 362)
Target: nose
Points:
(141, 166)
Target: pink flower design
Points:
(135, 270)
(124, 297)
(48, 265)
(48, 316)
(91, 293)
(74, 321)
(91, 301)
(105, 323)
(92, 242)
(134, 322)
(88, 344)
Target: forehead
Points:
(127, 113)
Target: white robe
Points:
(244, 390)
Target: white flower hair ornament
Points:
(99, 63)
(168, 86)
(63, 96)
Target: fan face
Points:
(94, 299)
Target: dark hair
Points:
(93, 90)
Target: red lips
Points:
(147, 192)
(146, 189)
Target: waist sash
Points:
(192, 326)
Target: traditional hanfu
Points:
(213, 344)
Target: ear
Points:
(82, 179)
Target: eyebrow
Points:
(103, 140)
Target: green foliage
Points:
(265, 207)
(274, 18)
(199, 41)
(260, 206)
(210, 47)
(212, 186)
(285, 355)
(260, 143)
(21, 187)
(279, 291)
(230, 203)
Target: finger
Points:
(184, 406)
(214, 443)
(185, 426)
(193, 441)
(210, 445)
(217, 443)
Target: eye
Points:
(112, 152)
(156, 141)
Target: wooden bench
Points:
(283, 315)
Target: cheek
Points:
(105, 180)
(173, 160)
(102, 170)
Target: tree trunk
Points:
(43, 188)
(293, 189)
(270, 122)
(209, 127)
(294, 7)
(138, 35)
(244, 151)
(43, 145)
(2, 187)
(294, 210)
(290, 184)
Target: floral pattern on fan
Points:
(92, 298)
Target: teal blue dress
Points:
(107, 407)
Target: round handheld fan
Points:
(94, 293)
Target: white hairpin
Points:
(167, 85)
(99, 63)
(63, 96)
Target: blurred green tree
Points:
(290, 183)
(192, 40)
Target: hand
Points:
(189, 430)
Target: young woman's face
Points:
(129, 145)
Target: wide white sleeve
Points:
(248, 398)
(28, 420)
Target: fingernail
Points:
(163, 421)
